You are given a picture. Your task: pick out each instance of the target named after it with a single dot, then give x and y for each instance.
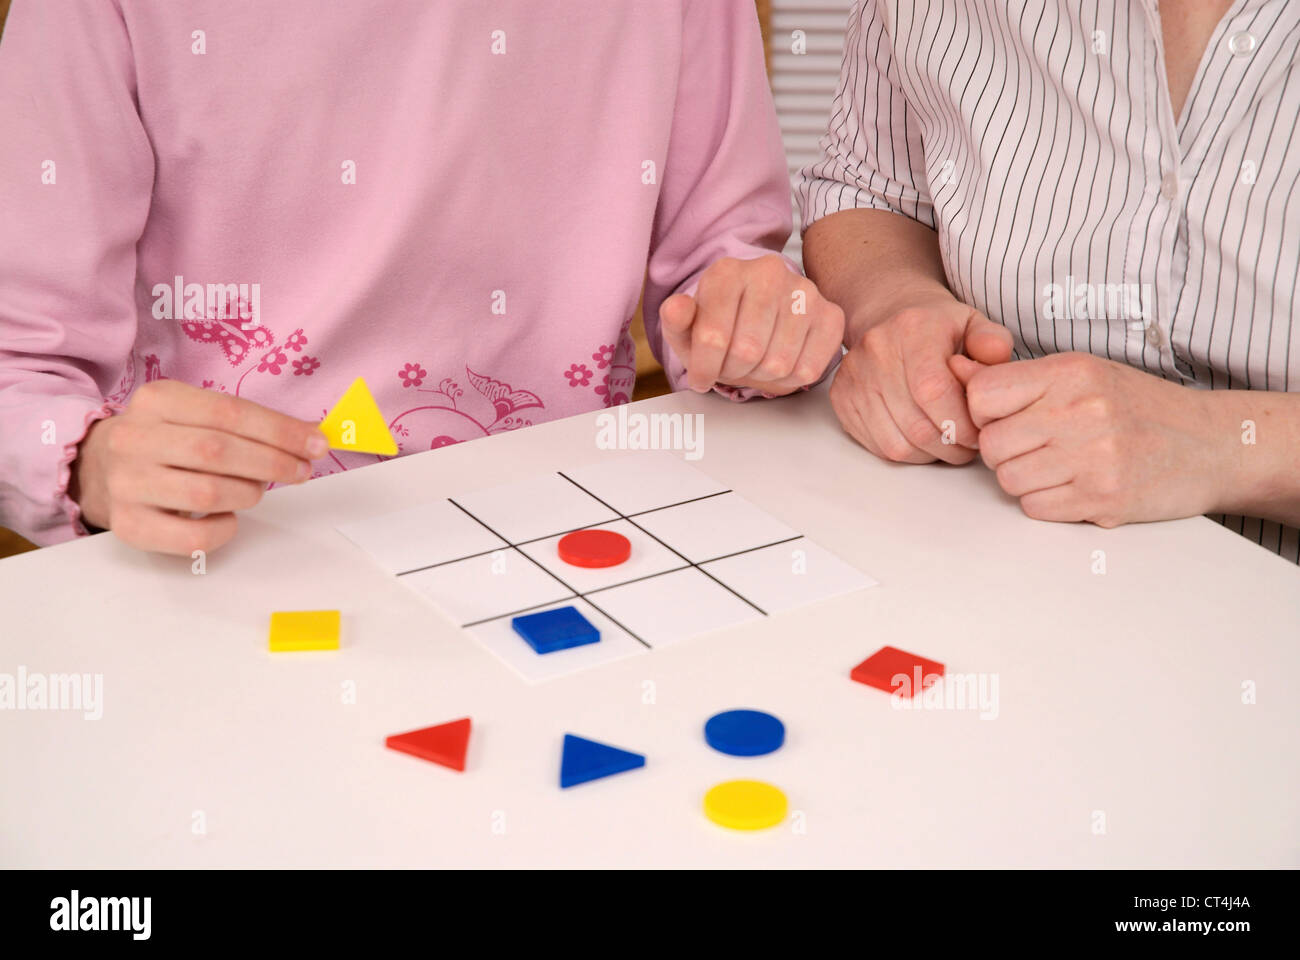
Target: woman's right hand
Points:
(179, 450)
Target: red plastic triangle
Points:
(445, 744)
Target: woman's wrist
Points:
(1257, 433)
(916, 293)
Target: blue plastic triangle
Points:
(588, 760)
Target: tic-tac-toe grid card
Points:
(703, 558)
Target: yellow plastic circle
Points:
(745, 805)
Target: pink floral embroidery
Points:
(579, 375)
(305, 366)
(504, 398)
(619, 359)
(272, 362)
(614, 394)
(226, 330)
(412, 375)
(152, 372)
(296, 341)
(452, 414)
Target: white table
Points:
(1119, 693)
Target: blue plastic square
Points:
(557, 629)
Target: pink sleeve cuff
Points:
(741, 394)
(71, 509)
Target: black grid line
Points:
(524, 543)
(605, 613)
(574, 593)
(642, 513)
(685, 566)
(648, 576)
(662, 544)
(554, 576)
(737, 553)
(519, 612)
(587, 526)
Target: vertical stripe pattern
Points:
(1038, 139)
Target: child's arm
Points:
(76, 178)
(76, 171)
(725, 196)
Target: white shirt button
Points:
(1153, 335)
(1169, 186)
(1242, 44)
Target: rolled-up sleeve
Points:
(873, 155)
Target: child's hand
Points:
(179, 450)
(753, 323)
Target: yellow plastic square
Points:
(304, 630)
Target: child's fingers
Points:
(821, 346)
(217, 452)
(676, 315)
(717, 304)
(182, 404)
(760, 332)
(151, 528)
(191, 491)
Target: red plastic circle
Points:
(594, 548)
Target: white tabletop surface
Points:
(1120, 695)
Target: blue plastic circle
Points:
(744, 733)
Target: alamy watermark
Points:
(208, 301)
(28, 690)
(952, 691)
(651, 431)
(75, 913)
(1134, 303)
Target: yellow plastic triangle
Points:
(356, 424)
